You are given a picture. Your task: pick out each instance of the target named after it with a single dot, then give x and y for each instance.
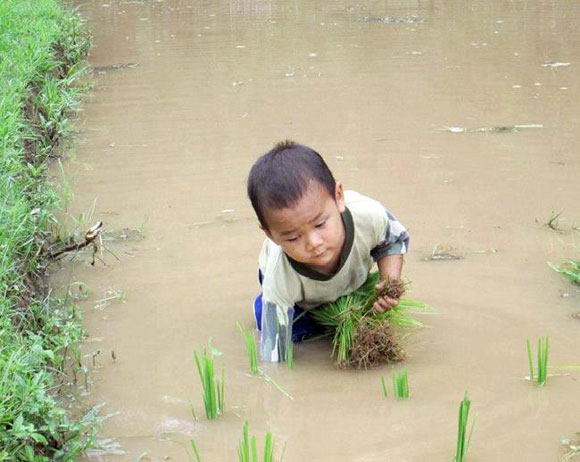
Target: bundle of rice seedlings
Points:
(361, 337)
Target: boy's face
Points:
(312, 231)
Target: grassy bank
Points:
(41, 48)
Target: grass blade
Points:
(384, 386)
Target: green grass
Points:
(251, 349)
(401, 384)
(543, 352)
(342, 317)
(462, 439)
(570, 269)
(41, 47)
(248, 447)
(213, 389)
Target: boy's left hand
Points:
(384, 303)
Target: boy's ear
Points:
(339, 196)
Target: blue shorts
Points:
(304, 325)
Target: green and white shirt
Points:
(372, 233)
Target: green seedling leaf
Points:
(212, 348)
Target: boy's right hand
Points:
(384, 303)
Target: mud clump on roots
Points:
(374, 344)
(374, 341)
(393, 288)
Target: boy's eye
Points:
(292, 239)
(321, 224)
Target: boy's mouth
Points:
(320, 254)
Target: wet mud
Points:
(165, 148)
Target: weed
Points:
(251, 348)
(401, 384)
(248, 447)
(213, 390)
(462, 442)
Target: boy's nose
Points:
(314, 240)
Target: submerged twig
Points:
(90, 239)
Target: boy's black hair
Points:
(280, 177)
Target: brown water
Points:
(167, 145)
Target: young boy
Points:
(321, 242)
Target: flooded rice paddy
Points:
(461, 116)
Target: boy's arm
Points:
(389, 267)
(389, 255)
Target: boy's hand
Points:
(384, 303)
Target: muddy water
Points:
(166, 146)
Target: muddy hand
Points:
(384, 302)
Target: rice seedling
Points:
(213, 390)
(462, 443)
(248, 447)
(543, 351)
(401, 384)
(362, 337)
(570, 269)
(384, 386)
(195, 451)
(530, 361)
(251, 348)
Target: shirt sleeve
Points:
(396, 239)
(276, 337)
